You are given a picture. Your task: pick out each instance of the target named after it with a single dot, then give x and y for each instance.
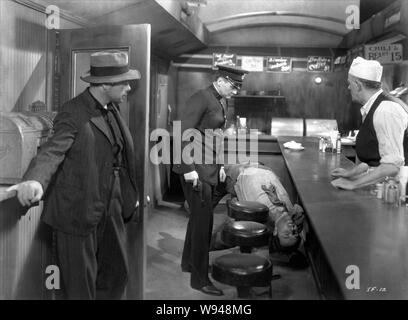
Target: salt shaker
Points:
(379, 190)
(338, 143)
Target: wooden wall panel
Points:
(22, 81)
(25, 242)
(25, 252)
(23, 56)
(304, 98)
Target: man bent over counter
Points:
(255, 182)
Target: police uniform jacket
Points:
(204, 110)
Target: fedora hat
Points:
(110, 67)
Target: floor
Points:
(165, 280)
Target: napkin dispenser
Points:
(21, 134)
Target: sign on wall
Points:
(278, 64)
(384, 53)
(252, 63)
(319, 64)
(225, 59)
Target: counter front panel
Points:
(363, 240)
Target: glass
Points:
(392, 192)
(325, 144)
(333, 138)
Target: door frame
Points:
(61, 46)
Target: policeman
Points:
(201, 176)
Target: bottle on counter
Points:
(238, 124)
(321, 143)
(385, 183)
(404, 194)
(324, 144)
(403, 178)
(379, 190)
(241, 125)
(338, 143)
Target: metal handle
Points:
(148, 199)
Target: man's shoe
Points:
(212, 290)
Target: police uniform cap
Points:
(235, 75)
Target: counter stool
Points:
(247, 210)
(243, 270)
(246, 235)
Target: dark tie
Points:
(114, 129)
(224, 109)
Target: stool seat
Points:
(248, 210)
(245, 234)
(243, 270)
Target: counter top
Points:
(354, 228)
(260, 137)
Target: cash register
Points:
(21, 135)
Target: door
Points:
(72, 49)
(159, 119)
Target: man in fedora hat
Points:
(379, 143)
(202, 181)
(86, 172)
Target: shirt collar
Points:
(367, 106)
(108, 107)
(98, 104)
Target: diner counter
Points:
(353, 229)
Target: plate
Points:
(348, 141)
(295, 148)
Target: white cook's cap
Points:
(366, 69)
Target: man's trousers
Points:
(95, 266)
(201, 201)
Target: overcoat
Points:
(75, 168)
